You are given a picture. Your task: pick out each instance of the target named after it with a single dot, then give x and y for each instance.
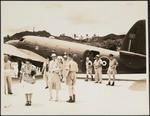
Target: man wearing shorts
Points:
(112, 69)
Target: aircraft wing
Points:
(133, 54)
(13, 51)
(21, 53)
(33, 55)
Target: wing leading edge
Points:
(22, 53)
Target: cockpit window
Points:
(22, 39)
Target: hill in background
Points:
(111, 41)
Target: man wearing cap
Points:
(71, 78)
(45, 71)
(98, 69)
(112, 69)
(54, 79)
(65, 67)
(89, 69)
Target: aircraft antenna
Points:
(129, 47)
(132, 36)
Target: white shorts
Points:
(71, 78)
(112, 71)
(27, 87)
(54, 82)
(88, 71)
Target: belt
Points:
(98, 67)
(55, 73)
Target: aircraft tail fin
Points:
(135, 39)
(133, 50)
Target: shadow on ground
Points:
(138, 85)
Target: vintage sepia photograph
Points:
(74, 58)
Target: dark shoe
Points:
(92, 79)
(113, 84)
(70, 99)
(108, 83)
(100, 82)
(96, 82)
(60, 80)
(86, 79)
(10, 93)
(46, 87)
(27, 104)
(74, 98)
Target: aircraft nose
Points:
(12, 42)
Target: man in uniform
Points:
(65, 67)
(54, 78)
(112, 69)
(60, 63)
(89, 69)
(71, 78)
(45, 71)
(98, 69)
(7, 75)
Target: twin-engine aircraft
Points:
(131, 56)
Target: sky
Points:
(56, 17)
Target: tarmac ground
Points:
(127, 97)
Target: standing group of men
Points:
(59, 70)
(64, 69)
(98, 63)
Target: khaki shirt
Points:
(113, 64)
(98, 64)
(54, 66)
(65, 65)
(7, 65)
(73, 66)
(8, 70)
(89, 65)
